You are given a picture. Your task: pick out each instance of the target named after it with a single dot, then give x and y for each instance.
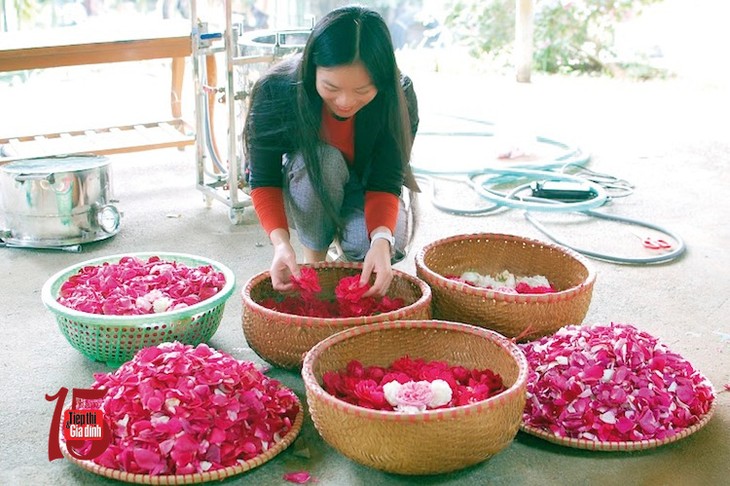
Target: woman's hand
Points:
(284, 264)
(377, 260)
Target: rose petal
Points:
(299, 477)
(187, 431)
(631, 386)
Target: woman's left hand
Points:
(377, 260)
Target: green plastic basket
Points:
(116, 339)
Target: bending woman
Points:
(328, 139)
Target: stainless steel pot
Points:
(272, 43)
(57, 201)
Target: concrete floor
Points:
(665, 137)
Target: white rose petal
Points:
(471, 277)
(157, 419)
(441, 393)
(534, 281)
(161, 304)
(608, 417)
(143, 304)
(607, 375)
(390, 390)
(171, 404)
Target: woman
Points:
(328, 138)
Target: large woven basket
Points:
(283, 339)
(116, 339)
(430, 442)
(526, 316)
(192, 478)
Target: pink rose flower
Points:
(417, 396)
(412, 396)
(450, 386)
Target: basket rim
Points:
(442, 282)
(335, 321)
(619, 446)
(49, 300)
(519, 386)
(195, 478)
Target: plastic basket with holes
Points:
(114, 339)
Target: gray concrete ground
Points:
(668, 138)
(662, 136)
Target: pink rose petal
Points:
(299, 477)
(629, 385)
(166, 421)
(133, 287)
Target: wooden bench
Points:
(72, 46)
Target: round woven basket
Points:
(196, 478)
(618, 446)
(116, 339)
(430, 442)
(283, 339)
(525, 316)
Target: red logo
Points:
(83, 424)
(80, 425)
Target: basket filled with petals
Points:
(282, 328)
(416, 397)
(612, 387)
(517, 286)
(181, 414)
(111, 307)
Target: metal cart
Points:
(245, 55)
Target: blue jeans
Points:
(308, 217)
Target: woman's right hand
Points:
(284, 264)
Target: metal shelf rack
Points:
(245, 55)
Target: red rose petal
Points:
(355, 384)
(349, 299)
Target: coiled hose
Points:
(483, 180)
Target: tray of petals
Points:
(178, 414)
(612, 388)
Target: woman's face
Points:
(345, 89)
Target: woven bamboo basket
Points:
(283, 339)
(429, 442)
(193, 478)
(524, 316)
(618, 446)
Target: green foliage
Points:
(568, 35)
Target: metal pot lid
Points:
(45, 165)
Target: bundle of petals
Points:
(174, 409)
(506, 282)
(411, 385)
(134, 286)
(349, 300)
(611, 383)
